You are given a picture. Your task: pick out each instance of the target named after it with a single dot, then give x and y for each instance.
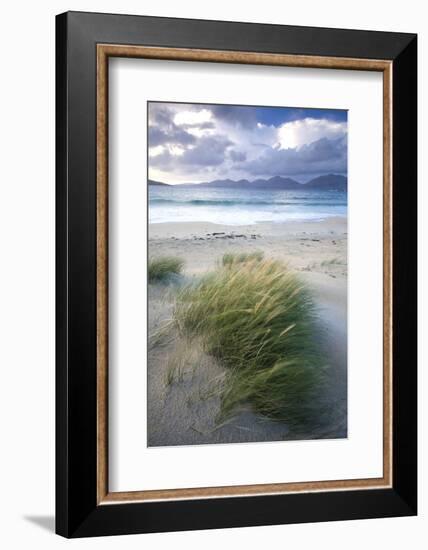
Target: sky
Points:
(192, 143)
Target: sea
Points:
(181, 203)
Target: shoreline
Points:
(316, 224)
(302, 245)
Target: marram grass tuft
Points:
(162, 268)
(258, 319)
(242, 257)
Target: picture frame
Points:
(84, 44)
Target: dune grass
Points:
(257, 318)
(242, 257)
(160, 269)
(333, 261)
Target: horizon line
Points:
(249, 181)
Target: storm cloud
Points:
(237, 156)
(195, 142)
(173, 135)
(321, 156)
(209, 151)
(235, 115)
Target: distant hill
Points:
(330, 182)
(153, 182)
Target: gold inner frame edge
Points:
(104, 51)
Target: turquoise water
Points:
(242, 206)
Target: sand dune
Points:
(181, 404)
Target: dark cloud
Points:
(235, 115)
(209, 151)
(160, 115)
(321, 156)
(162, 128)
(237, 156)
(173, 135)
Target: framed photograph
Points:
(236, 274)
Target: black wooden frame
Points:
(77, 512)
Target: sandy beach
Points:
(181, 407)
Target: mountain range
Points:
(331, 182)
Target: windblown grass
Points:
(161, 269)
(333, 261)
(242, 257)
(257, 318)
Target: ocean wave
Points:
(255, 202)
